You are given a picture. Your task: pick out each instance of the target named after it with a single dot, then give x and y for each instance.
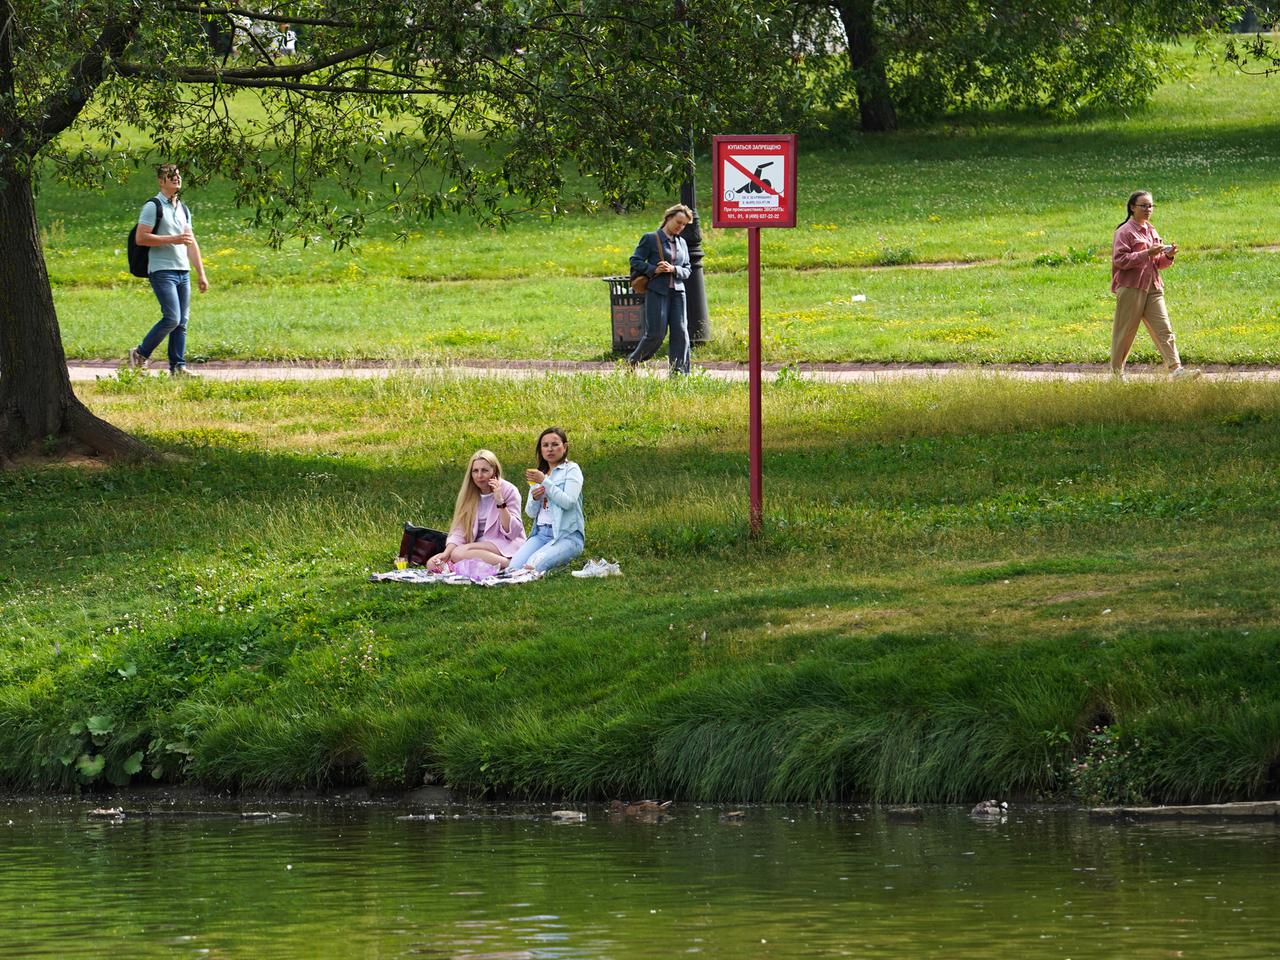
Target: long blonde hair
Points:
(468, 502)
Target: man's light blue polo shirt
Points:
(176, 220)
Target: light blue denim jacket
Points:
(563, 488)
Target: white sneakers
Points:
(599, 568)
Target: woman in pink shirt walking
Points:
(1137, 257)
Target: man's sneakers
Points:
(599, 568)
(136, 361)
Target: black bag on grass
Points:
(420, 544)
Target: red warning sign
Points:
(754, 181)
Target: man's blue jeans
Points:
(173, 290)
(543, 553)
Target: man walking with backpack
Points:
(164, 232)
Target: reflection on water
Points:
(507, 882)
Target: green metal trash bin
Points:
(627, 312)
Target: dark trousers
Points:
(663, 313)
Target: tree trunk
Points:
(874, 102)
(36, 401)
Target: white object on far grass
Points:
(599, 568)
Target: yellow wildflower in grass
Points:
(1253, 329)
(959, 335)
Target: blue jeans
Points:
(544, 553)
(173, 290)
(663, 313)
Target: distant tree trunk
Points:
(874, 102)
(36, 401)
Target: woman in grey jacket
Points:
(555, 504)
(664, 258)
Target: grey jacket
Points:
(645, 260)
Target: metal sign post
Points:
(754, 186)
(756, 443)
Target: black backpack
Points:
(138, 254)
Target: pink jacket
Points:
(1130, 265)
(509, 542)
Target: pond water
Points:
(508, 882)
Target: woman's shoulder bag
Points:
(640, 281)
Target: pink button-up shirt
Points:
(1130, 265)
(507, 541)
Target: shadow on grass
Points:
(1072, 145)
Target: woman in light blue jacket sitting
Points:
(555, 504)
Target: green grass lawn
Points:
(957, 581)
(1003, 313)
(1022, 193)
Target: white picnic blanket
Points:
(421, 575)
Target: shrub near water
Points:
(1111, 770)
(958, 580)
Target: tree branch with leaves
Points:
(1257, 54)
(924, 57)
(412, 107)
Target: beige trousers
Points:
(1132, 307)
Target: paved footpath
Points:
(90, 370)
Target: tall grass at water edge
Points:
(958, 581)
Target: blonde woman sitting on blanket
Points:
(486, 518)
